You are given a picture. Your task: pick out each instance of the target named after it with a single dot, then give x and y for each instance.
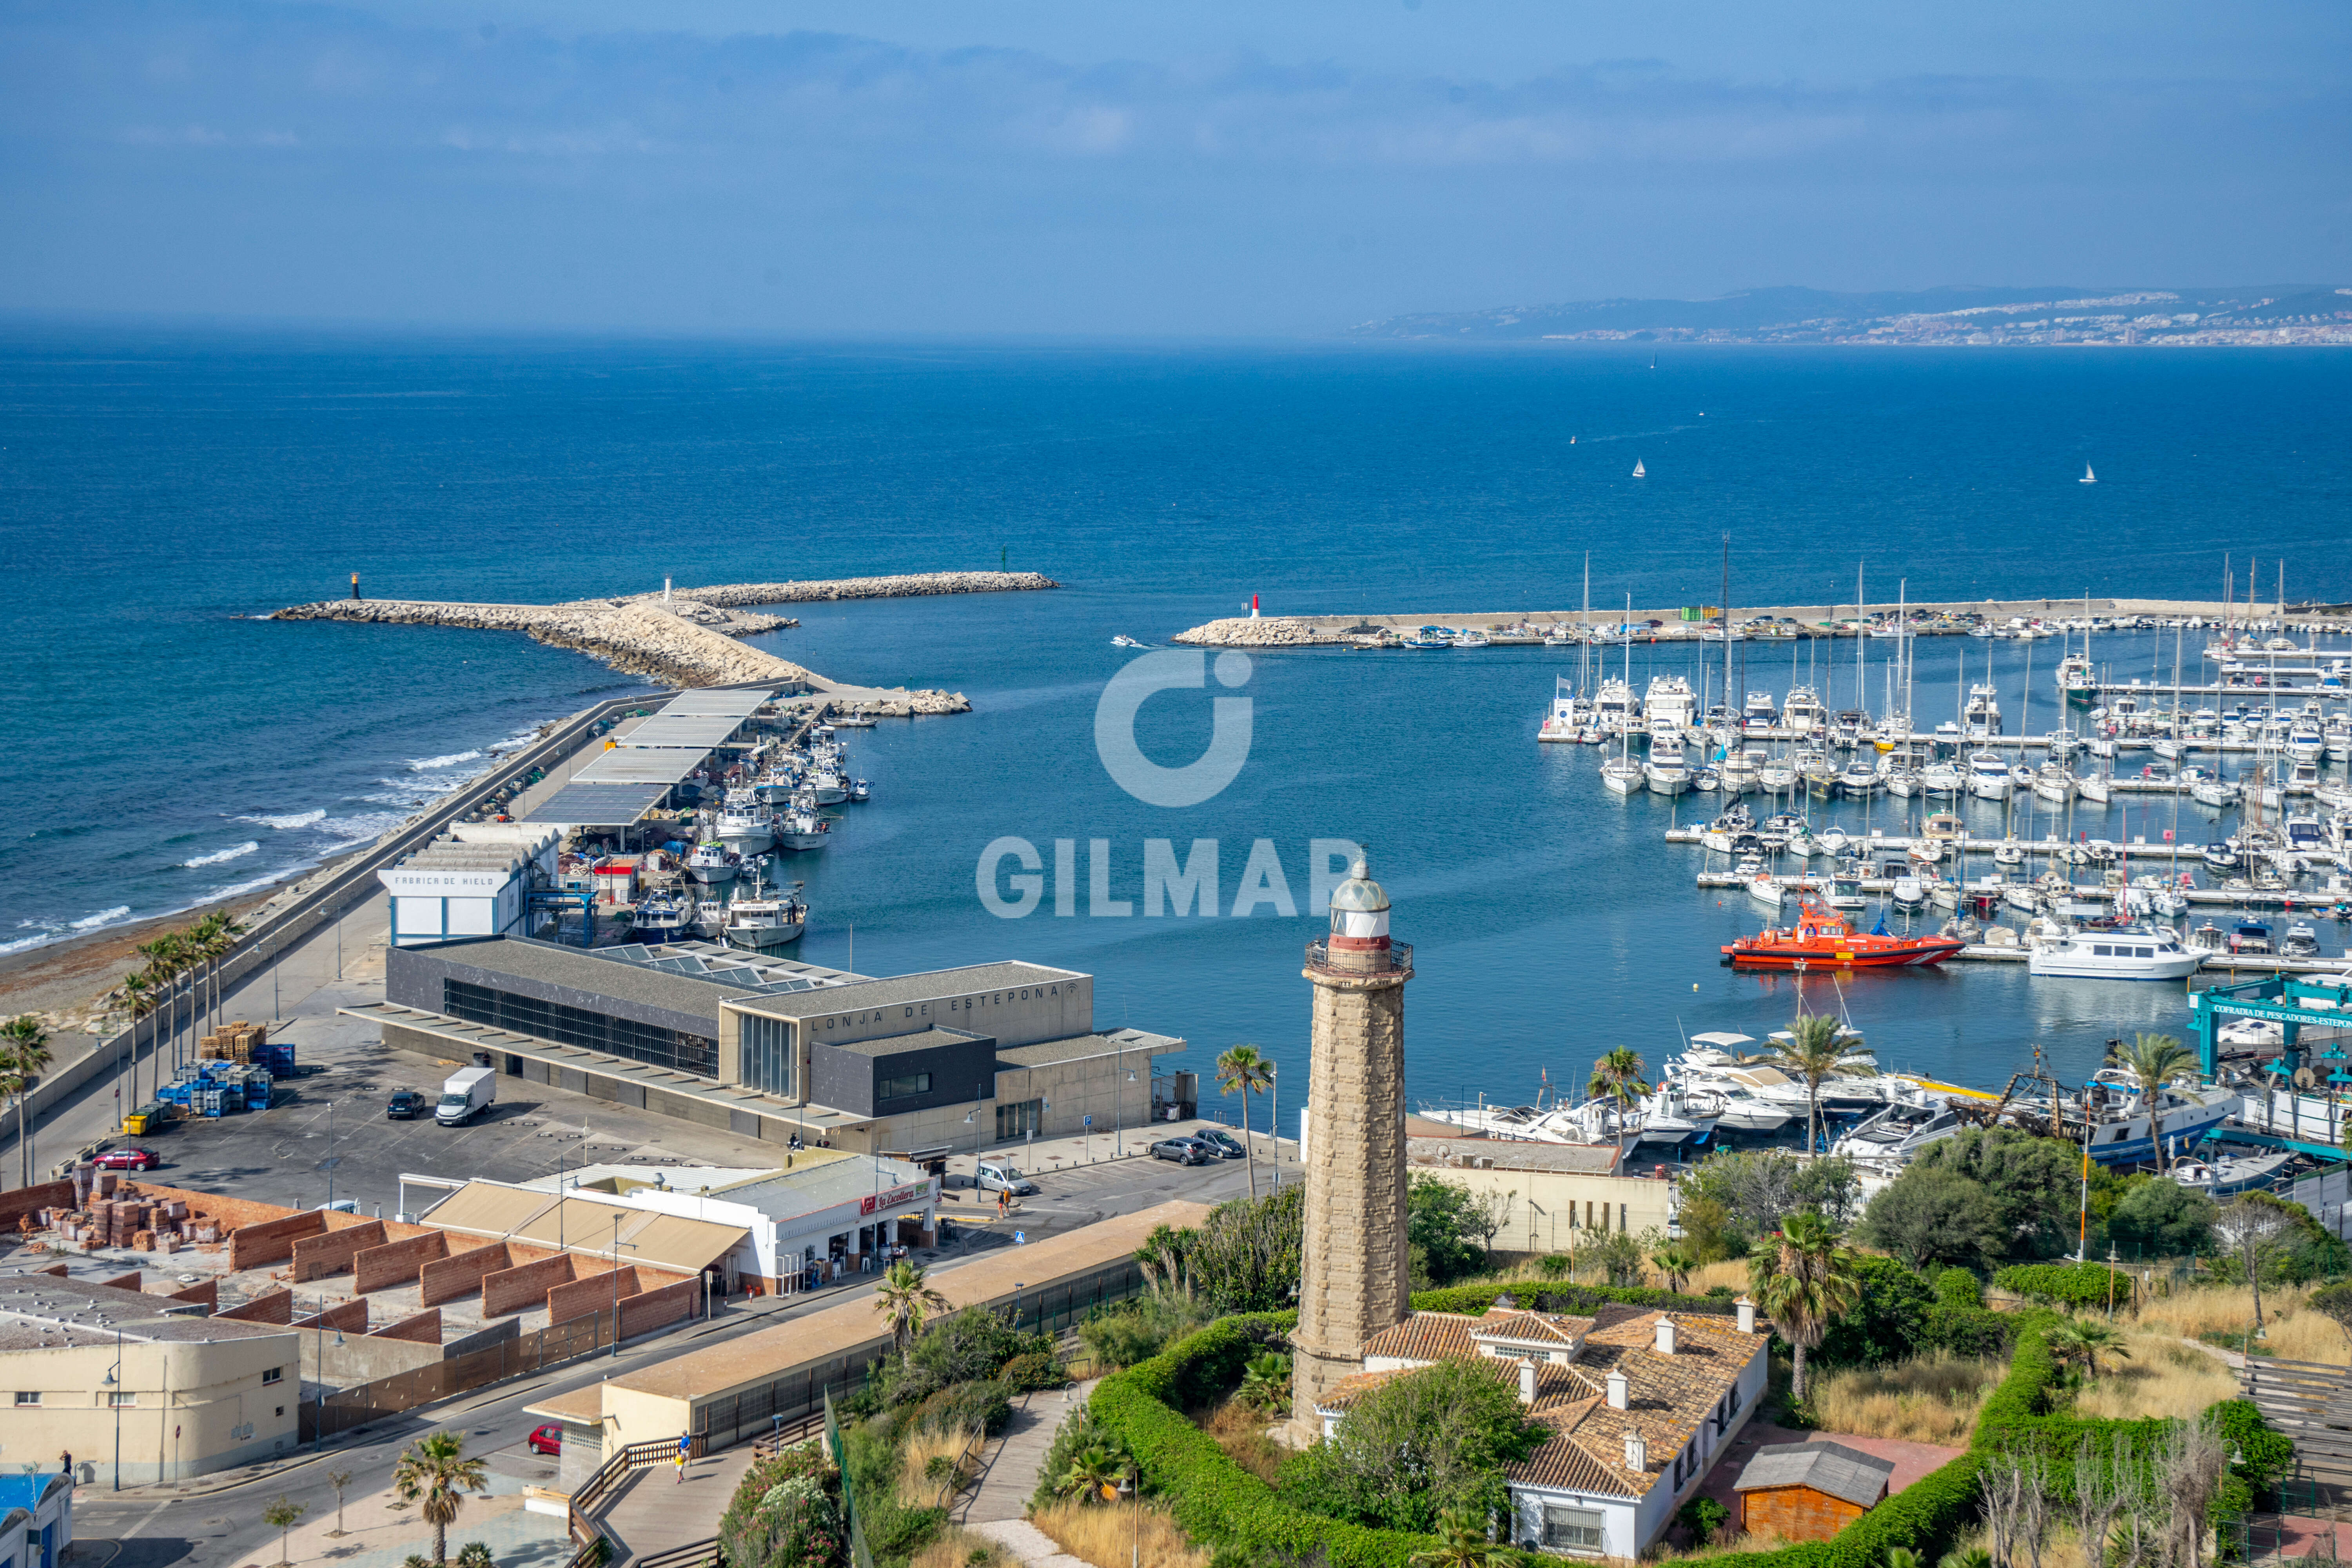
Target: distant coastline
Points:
(2284, 316)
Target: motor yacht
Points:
(2129, 952)
(762, 925)
(2226, 1176)
(1669, 704)
(1941, 780)
(1990, 777)
(1672, 1117)
(712, 862)
(1612, 707)
(1760, 712)
(2302, 941)
(1664, 770)
(662, 916)
(2125, 1123)
(1802, 714)
(1859, 779)
(1980, 720)
(1890, 1138)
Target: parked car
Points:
(130, 1159)
(995, 1176)
(547, 1440)
(407, 1105)
(1183, 1151)
(1223, 1144)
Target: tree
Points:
(1931, 1215)
(1246, 1067)
(338, 1479)
(24, 1054)
(2251, 1228)
(1618, 1076)
(1813, 1052)
(1675, 1264)
(1461, 1544)
(2153, 1061)
(1265, 1381)
(1164, 1259)
(1803, 1283)
(1448, 1227)
(283, 1516)
(2333, 1303)
(1093, 1474)
(1887, 1324)
(1613, 1258)
(1754, 1188)
(434, 1471)
(2157, 1218)
(1830, 1185)
(2081, 1341)
(906, 1299)
(1707, 1228)
(1418, 1447)
(1245, 1256)
(1978, 1198)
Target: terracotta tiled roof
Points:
(1425, 1336)
(1531, 1328)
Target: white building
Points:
(1640, 1404)
(473, 880)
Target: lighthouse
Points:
(1355, 1277)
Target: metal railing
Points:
(1365, 962)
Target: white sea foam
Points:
(239, 890)
(289, 822)
(103, 918)
(41, 933)
(426, 764)
(362, 828)
(516, 742)
(234, 852)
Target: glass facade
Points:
(768, 1057)
(577, 1027)
(1020, 1118)
(903, 1087)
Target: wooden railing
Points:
(591, 1545)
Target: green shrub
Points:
(1139, 1329)
(1033, 1370)
(1966, 1330)
(1580, 1300)
(1702, 1516)
(786, 1513)
(1418, 1447)
(1886, 1324)
(968, 1406)
(968, 1347)
(2080, 1286)
(1958, 1288)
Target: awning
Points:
(702, 731)
(495, 1212)
(598, 805)
(715, 700)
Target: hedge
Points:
(1545, 1297)
(2077, 1285)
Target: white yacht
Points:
(800, 825)
(1669, 704)
(761, 925)
(1889, 1140)
(1761, 713)
(1802, 714)
(1673, 1116)
(1740, 770)
(711, 861)
(2130, 953)
(1980, 720)
(1988, 776)
(1859, 779)
(1664, 770)
(1941, 780)
(1776, 775)
(2184, 1115)
(1613, 708)
(744, 825)
(2053, 783)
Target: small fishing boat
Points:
(762, 925)
(712, 862)
(1824, 939)
(1123, 640)
(662, 916)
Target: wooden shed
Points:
(1809, 1491)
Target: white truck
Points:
(468, 1090)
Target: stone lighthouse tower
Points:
(1356, 1275)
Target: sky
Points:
(1209, 168)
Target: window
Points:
(2104, 950)
(121, 1401)
(1020, 1118)
(768, 1057)
(24, 1398)
(578, 1026)
(906, 1085)
(1573, 1529)
(273, 1375)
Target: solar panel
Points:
(598, 804)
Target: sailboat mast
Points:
(1584, 631)
(1727, 624)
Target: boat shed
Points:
(638, 769)
(1810, 1491)
(473, 880)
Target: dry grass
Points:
(1731, 1271)
(1929, 1399)
(1240, 1431)
(954, 1547)
(916, 1485)
(2163, 1377)
(1106, 1534)
(2289, 1330)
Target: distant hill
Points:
(2297, 312)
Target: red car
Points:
(547, 1440)
(128, 1159)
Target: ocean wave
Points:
(238, 890)
(44, 934)
(362, 828)
(289, 822)
(234, 852)
(426, 764)
(103, 918)
(516, 742)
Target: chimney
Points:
(1620, 1390)
(1665, 1335)
(1527, 1382)
(1637, 1452)
(1747, 1309)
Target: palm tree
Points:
(1618, 1076)
(24, 1053)
(906, 1298)
(1460, 1544)
(139, 997)
(2085, 1340)
(1675, 1264)
(2154, 1060)
(1265, 1381)
(1803, 1280)
(436, 1471)
(1246, 1067)
(1813, 1053)
(1094, 1474)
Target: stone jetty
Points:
(690, 637)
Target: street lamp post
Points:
(616, 1283)
(114, 1397)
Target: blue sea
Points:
(162, 490)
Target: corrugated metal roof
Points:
(702, 731)
(741, 704)
(642, 764)
(496, 1212)
(598, 805)
(1831, 1468)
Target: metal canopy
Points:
(734, 704)
(642, 764)
(599, 804)
(703, 730)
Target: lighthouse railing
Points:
(1394, 958)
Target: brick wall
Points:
(315, 1256)
(235, 1213)
(397, 1262)
(424, 1327)
(651, 1310)
(207, 1291)
(591, 1294)
(277, 1306)
(14, 1205)
(343, 1315)
(461, 1275)
(512, 1290)
(1795, 1513)
(270, 1240)
(123, 1281)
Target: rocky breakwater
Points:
(1266, 631)
(910, 585)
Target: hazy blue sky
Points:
(1198, 166)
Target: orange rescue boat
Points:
(1824, 939)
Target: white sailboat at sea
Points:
(2088, 477)
(1640, 472)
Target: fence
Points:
(1059, 1308)
(517, 1357)
(859, 1557)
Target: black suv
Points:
(407, 1105)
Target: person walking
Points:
(685, 1448)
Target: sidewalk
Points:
(1008, 1477)
(383, 1531)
